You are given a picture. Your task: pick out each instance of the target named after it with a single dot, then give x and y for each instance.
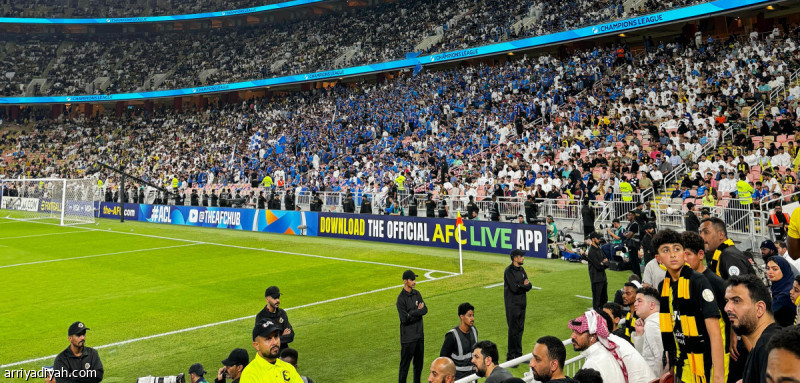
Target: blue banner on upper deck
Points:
(493, 237)
(158, 19)
(411, 62)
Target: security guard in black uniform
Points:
(494, 211)
(205, 198)
(262, 201)
(288, 200)
(194, 199)
(366, 205)
(77, 357)
(442, 207)
(515, 289)
(460, 341)
(472, 210)
(316, 203)
(348, 205)
(430, 207)
(214, 198)
(411, 309)
(530, 210)
(272, 312)
(275, 202)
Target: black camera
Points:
(162, 379)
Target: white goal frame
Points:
(70, 201)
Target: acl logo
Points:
(193, 216)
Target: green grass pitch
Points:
(138, 286)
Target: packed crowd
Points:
(536, 127)
(329, 41)
(106, 8)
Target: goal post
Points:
(65, 201)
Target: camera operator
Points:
(196, 372)
(233, 366)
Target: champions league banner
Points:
(288, 222)
(491, 237)
(268, 221)
(218, 217)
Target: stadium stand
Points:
(102, 63)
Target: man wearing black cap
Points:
(196, 372)
(597, 271)
(411, 309)
(515, 289)
(77, 357)
(266, 367)
(272, 312)
(233, 366)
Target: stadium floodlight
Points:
(69, 201)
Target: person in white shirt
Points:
(647, 338)
(727, 185)
(607, 353)
(770, 183)
(588, 331)
(781, 159)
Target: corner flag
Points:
(459, 224)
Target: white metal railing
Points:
(754, 110)
(570, 366)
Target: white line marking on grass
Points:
(501, 283)
(96, 255)
(124, 342)
(581, 296)
(42, 235)
(260, 249)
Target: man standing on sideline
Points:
(266, 367)
(443, 370)
(515, 289)
(459, 341)
(272, 312)
(597, 271)
(548, 359)
(647, 337)
(633, 242)
(411, 309)
(484, 360)
(77, 357)
(749, 307)
(233, 366)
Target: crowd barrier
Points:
(44, 205)
(484, 236)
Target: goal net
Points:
(65, 201)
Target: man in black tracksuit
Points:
(272, 312)
(411, 309)
(597, 271)
(515, 288)
(77, 357)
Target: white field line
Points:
(42, 235)
(124, 342)
(581, 296)
(259, 249)
(96, 255)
